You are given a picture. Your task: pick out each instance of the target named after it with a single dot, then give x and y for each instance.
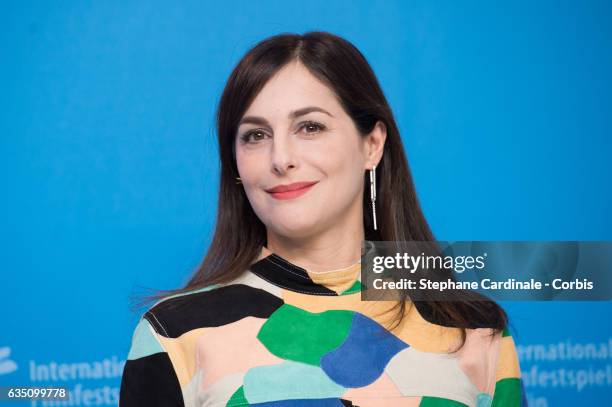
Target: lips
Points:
(291, 187)
(291, 191)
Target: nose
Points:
(283, 155)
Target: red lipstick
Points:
(291, 191)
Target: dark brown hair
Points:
(239, 234)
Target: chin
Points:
(293, 226)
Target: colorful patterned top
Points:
(280, 335)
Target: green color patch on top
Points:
(439, 402)
(237, 398)
(295, 334)
(355, 288)
(507, 392)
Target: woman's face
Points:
(295, 131)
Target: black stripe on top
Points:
(285, 274)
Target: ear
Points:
(375, 144)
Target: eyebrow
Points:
(260, 121)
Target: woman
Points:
(312, 164)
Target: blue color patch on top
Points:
(363, 355)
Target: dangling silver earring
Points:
(373, 193)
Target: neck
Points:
(332, 249)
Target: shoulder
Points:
(507, 362)
(144, 340)
(211, 306)
(431, 329)
(509, 387)
(149, 377)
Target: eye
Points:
(256, 134)
(312, 127)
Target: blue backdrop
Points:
(109, 162)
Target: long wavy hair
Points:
(239, 234)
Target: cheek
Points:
(250, 167)
(242, 162)
(343, 166)
(253, 167)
